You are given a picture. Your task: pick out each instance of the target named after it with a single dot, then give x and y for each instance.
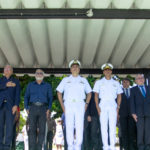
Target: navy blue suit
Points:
(9, 96)
(127, 124)
(140, 106)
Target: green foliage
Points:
(22, 122)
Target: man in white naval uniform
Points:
(74, 89)
(107, 90)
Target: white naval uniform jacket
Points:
(108, 91)
(74, 88)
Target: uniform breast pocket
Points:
(81, 86)
(103, 89)
(67, 86)
(114, 89)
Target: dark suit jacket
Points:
(11, 94)
(125, 106)
(139, 104)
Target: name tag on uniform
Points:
(69, 82)
(81, 82)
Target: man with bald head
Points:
(9, 102)
(140, 110)
(38, 101)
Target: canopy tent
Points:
(41, 40)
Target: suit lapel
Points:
(138, 90)
(146, 87)
(124, 94)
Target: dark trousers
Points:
(37, 120)
(92, 135)
(13, 146)
(65, 140)
(128, 133)
(120, 143)
(6, 126)
(49, 142)
(143, 133)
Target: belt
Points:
(74, 100)
(38, 104)
(5, 101)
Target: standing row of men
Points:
(74, 94)
(37, 100)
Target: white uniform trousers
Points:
(108, 117)
(74, 115)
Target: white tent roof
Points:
(53, 43)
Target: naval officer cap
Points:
(74, 62)
(107, 66)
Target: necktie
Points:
(127, 93)
(143, 91)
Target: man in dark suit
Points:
(140, 110)
(92, 132)
(9, 102)
(127, 123)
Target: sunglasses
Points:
(39, 73)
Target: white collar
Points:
(71, 76)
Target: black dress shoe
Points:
(147, 147)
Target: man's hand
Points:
(89, 119)
(118, 113)
(27, 110)
(97, 103)
(63, 109)
(48, 114)
(17, 116)
(135, 117)
(61, 101)
(14, 109)
(10, 84)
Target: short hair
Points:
(139, 74)
(8, 66)
(127, 79)
(39, 70)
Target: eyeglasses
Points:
(8, 69)
(140, 78)
(39, 73)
